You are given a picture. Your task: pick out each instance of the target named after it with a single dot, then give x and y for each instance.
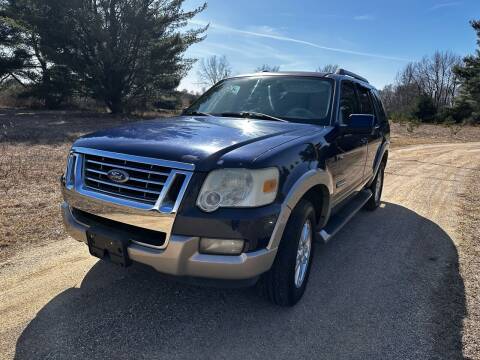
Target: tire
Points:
(281, 284)
(376, 188)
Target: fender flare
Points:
(378, 160)
(306, 182)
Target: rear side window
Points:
(382, 116)
(348, 101)
(366, 104)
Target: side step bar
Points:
(338, 220)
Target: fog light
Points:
(221, 246)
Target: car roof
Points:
(306, 74)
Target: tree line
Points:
(441, 87)
(215, 68)
(127, 54)
(121, 52)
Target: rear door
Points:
(367, 106)
(348, 164)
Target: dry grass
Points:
(33, 148)
(30, 195)
(404, 134)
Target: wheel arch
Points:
(316, 186)
(319, 197)
(381, 157)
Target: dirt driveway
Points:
(388, 285)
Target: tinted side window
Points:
(382, 116)
(365, 101)
(348, 101)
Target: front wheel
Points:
(376, 188)
(285, 283)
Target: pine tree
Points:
(23, 54)
(469, 75)
(12, 55)
(116, 51)
(123, 50)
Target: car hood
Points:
(202, 141)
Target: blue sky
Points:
(374, 38)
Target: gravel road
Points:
(388, 286)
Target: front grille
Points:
(145, 182)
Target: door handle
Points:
(339, 157)
(364, 140)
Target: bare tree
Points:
(329, 68)
(267, 68)
(431, 77)
(213, 69)
(400, 97)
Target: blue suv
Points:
(240, 187)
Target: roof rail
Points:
(351, 74)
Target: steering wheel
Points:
(300, 112)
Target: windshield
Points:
(299, 99)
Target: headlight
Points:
(238, 188)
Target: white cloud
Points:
(445, 5)
(364, 17)
(264, 29)
(273, 36)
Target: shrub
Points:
(461, 111)
(425, 109)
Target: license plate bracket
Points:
(109, 245)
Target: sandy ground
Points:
(401, 282)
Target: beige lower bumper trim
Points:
(181, 256)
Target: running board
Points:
(338, 220)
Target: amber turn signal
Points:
(270, 186)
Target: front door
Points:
(348, 163)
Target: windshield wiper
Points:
(252, 114)
(196, 113)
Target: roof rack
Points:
(351, 74)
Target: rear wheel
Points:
(285, 283)
(376, 188)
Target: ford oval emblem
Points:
(118, 176)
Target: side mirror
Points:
(359, 124)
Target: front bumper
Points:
(181, 257)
